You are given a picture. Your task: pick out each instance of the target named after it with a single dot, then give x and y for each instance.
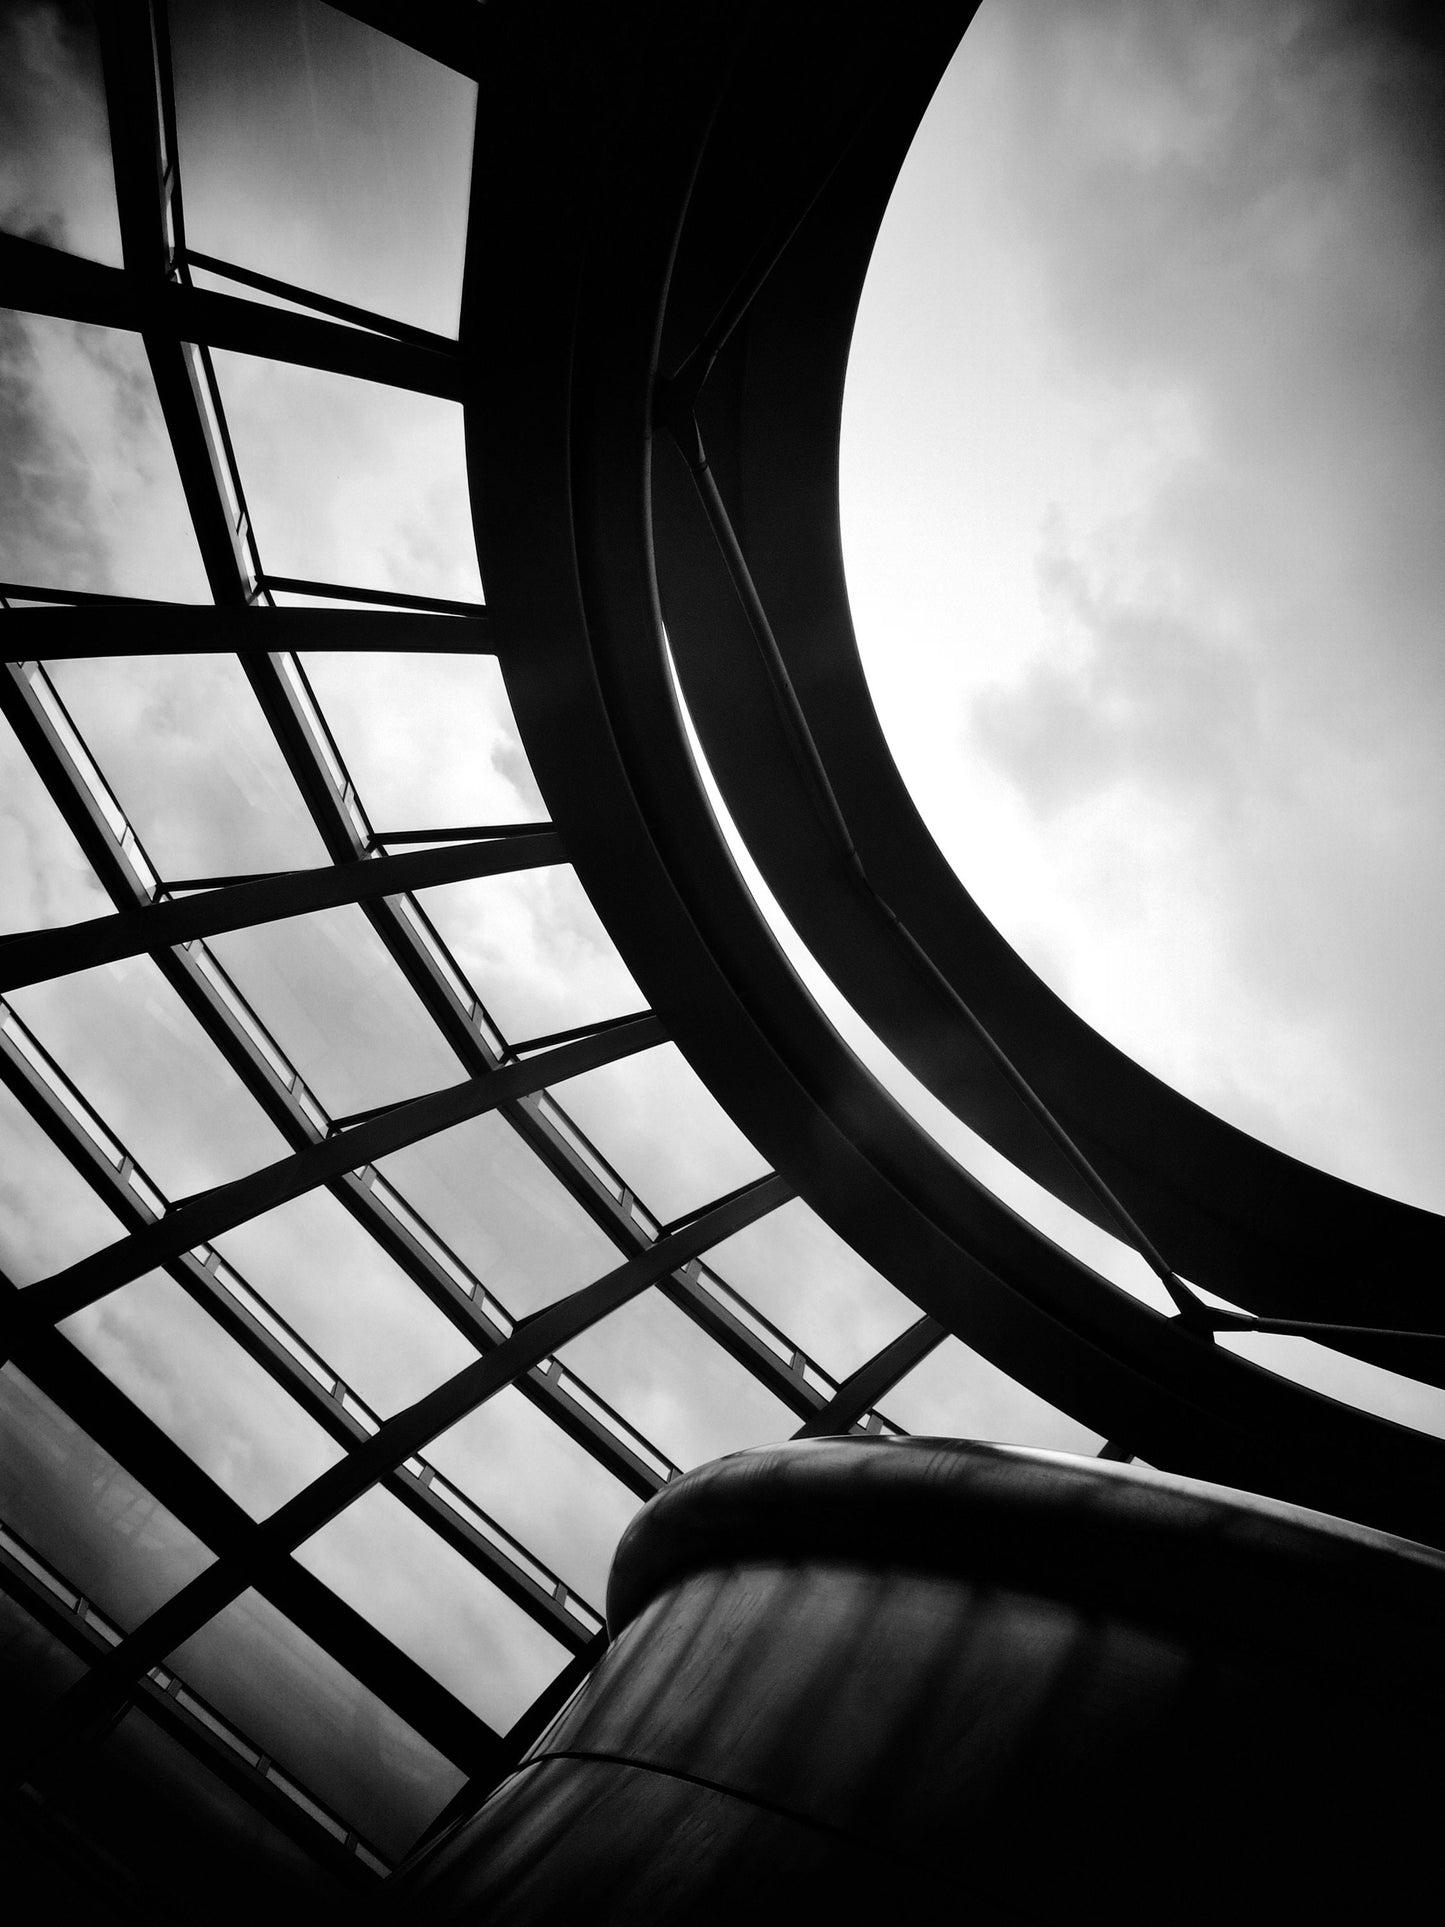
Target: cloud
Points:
(56, 183)
(1230, 718)
(89, 494)
(1156, 700)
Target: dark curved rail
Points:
(667, 175)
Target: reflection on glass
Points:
(430, 741)
(955, 1393)
(351, 482)
(38, 1668)
(327, 1277)
(47, 880)
(679, 1388)
(293, 1700)
(93, 500)
(58, 185)
(49, 1216)
(399, 1575)
(800, 1274)
(204, 1392)
(189, 753)
(152, 1073)
(340, 1008)
(503, 1212)
(85, 1514)
(654, 1118)
(535, 950)
(324, 153)
(215, 1841)
(536, 1482)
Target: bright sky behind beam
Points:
(1144, 517)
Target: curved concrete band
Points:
(931, 1679)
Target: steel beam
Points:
(860, 1392)
(39, 955)
(99, 626)
(65, 1375)
(39, 279)
(269, 1545)
(197, 1220)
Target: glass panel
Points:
(340, 1009)
(36, 1667)
(541, 1486)
(58, 185)
(652, 1117)
(802, 1276)
(396, 1572)
(312, 1262)
(503, 1212)
(535, 950)
(956, 1394)
(430, 741)
(184, 742)
(292, 1699)
(669, 1379)
(49, 1216)
(47, 879)
(143, 1798)
(152, 1073)
(204, 1392)
(85, 1514)
(1350, 1380)
(350, 482)
(93, 500)
(308, 111)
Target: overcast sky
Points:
(1143, 487)
(1144, 500)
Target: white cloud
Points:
(1162, 663)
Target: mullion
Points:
(874, 1379)
(83, 816)
(135, 1441)
(271, 1544)
(224, 1206)
(327, 802)
(40, 279)
(364, 318)
(159, 1704)
(36, 956)
(192, 492)
(197, 1278)
(97, 623)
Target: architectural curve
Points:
(624, 240)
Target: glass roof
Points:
(290, 1179)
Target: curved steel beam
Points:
(561, 456)
(1229, 1212)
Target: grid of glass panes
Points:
(265, 1355)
